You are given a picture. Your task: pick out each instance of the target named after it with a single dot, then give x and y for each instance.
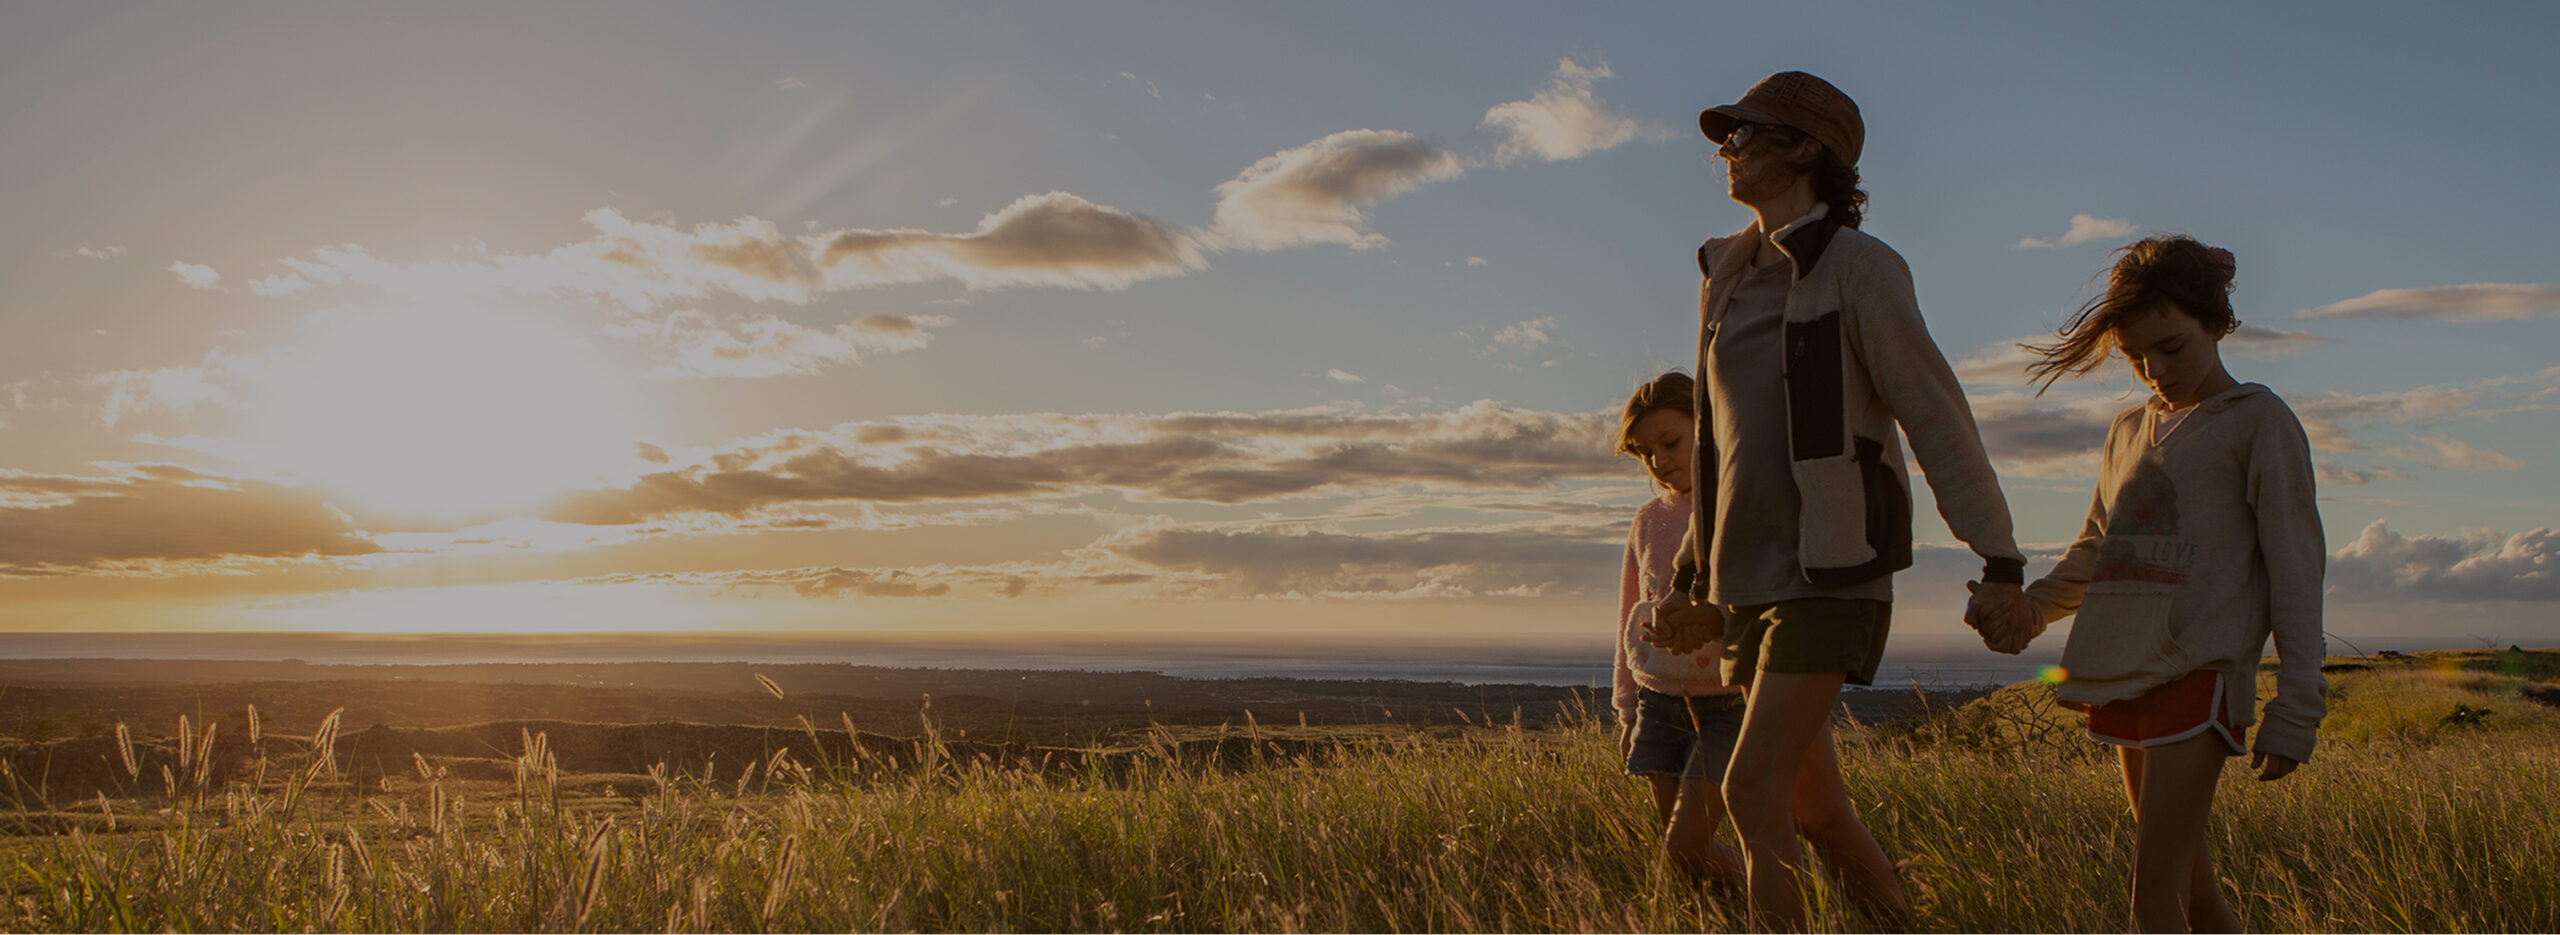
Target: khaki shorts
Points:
(1808, 637)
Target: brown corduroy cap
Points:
(1794, 99)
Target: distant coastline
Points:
(1934, 661)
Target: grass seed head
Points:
(124, 748)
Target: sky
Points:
(1275, 324)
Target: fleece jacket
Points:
(1859, 361)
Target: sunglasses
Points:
(1744, 133)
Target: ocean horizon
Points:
(1928, 660)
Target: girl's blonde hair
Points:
(2164, 269)
(1673, 391)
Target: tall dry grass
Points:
(2402, 823)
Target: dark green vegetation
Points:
(2414, 816)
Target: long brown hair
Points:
(1674, 391)
(1835, 183)
(2163, 270)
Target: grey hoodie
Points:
(2195, 550)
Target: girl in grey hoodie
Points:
(2203, 540)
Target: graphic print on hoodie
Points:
(2143, 542)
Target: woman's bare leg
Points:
(1785, 719)
(1830, 823)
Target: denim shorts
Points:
(1670, 741)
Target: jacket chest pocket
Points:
(1816, 416)
(1853, 519)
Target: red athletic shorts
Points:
(2170, 713)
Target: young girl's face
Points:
(1661, 440)
(2173, 355)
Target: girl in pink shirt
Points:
(1677, 720)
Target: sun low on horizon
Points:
(1303, 325)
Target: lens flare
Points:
(2052, 675)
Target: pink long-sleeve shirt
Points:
(1653, 546)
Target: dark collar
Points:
(1805, 244)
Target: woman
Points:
(1811, 351)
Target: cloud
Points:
(2005, 362)
(1344, 376)
(108, 252)
(2087, 227)
(280, 284)
(1225, 457)
(1152, 90)
(2479, 301)
(2052, 439)
(2257, 341)
(176, 390)
(1006, 579)
(789, 84)
(691, 344)
(2331, 472)
(635, 264)
(1528, 334)
(195, 275)
(158, 519)
(1563, 120)
(1316, 193)
(2454, 455)
(1052, 239)
(1518, 561)
(2481, 566)
(2321, 415)
(2084, 228)
(1475, 261)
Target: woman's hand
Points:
(1626, 737)
(2271, 767)
(1683, 627)
(2005, 616)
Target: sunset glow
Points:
(447, 414)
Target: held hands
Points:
(1683, 627)
(2271, 767)
(2005, 616)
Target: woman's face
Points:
(2172, 354)
(1661, 440)
(1761, 162)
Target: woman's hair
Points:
(1673, 391)
(2171, 270)
(1835, 183)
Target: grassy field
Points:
(2430, 807)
